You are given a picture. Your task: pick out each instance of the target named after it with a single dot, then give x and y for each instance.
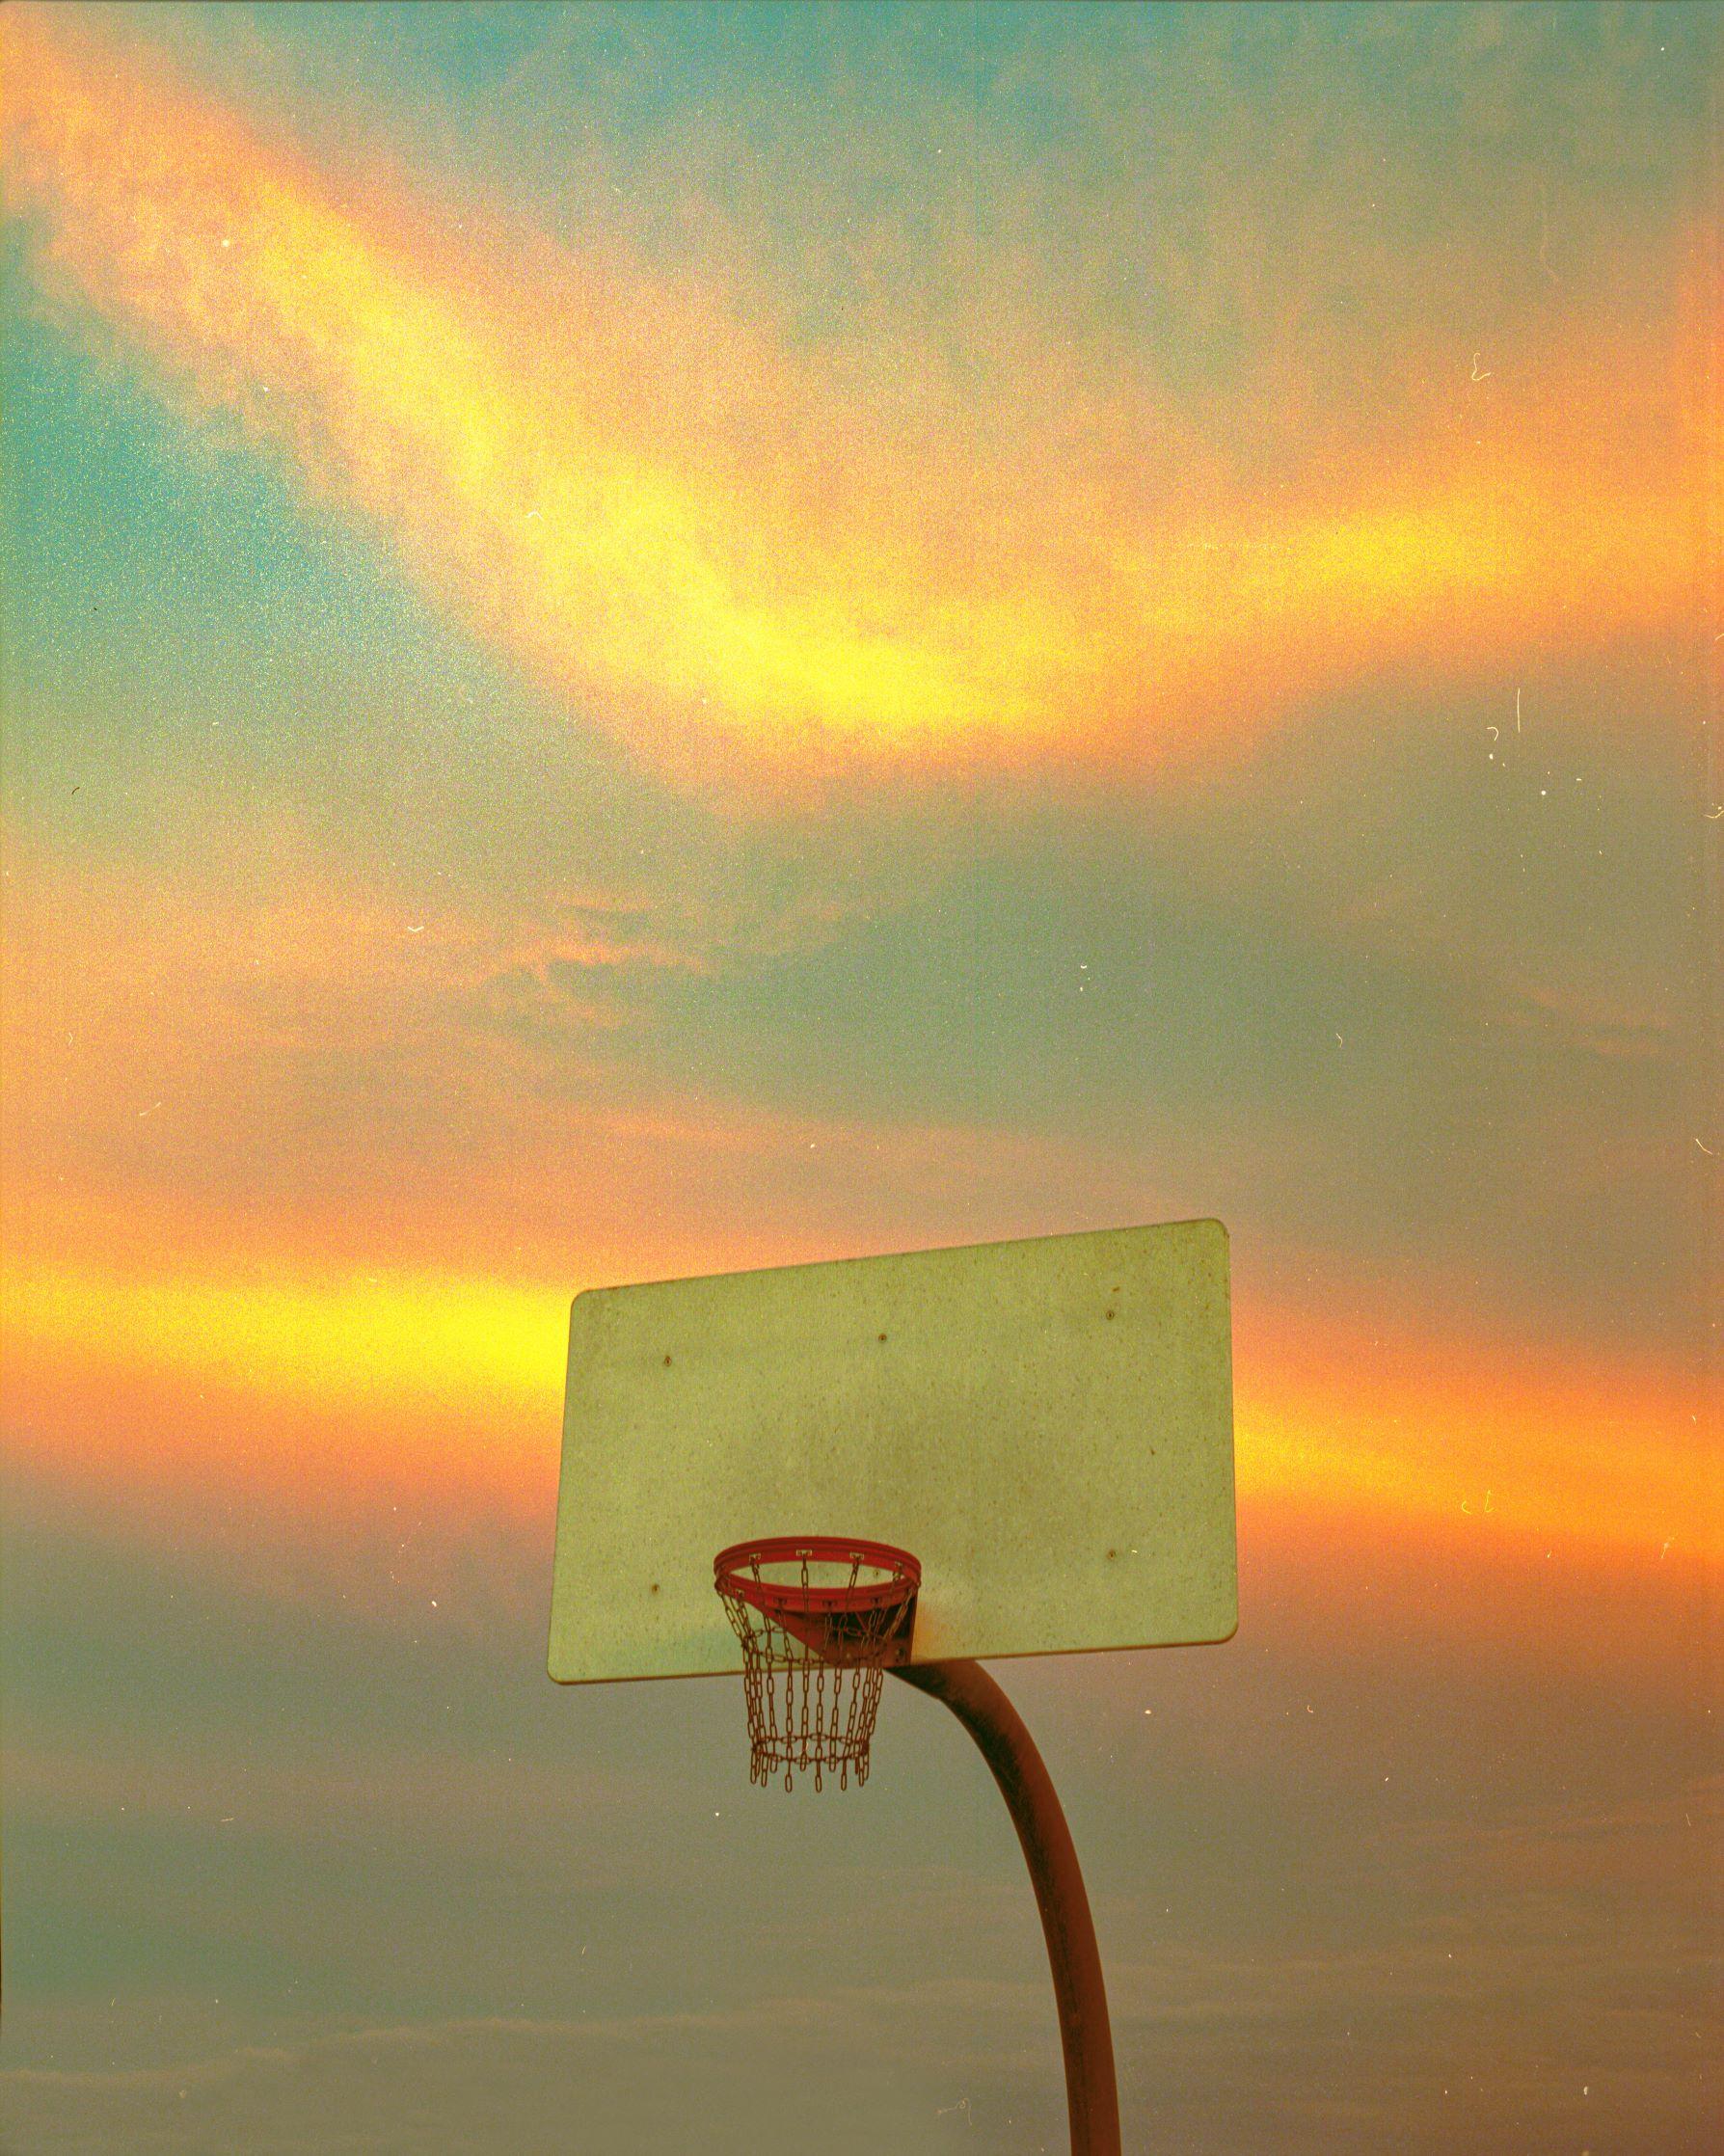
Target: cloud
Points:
(1433, 1817)
(1321, 2049)
(774, 2069)
(357, 1788)
(316, 1399)
(701, 536)
(297, 1193)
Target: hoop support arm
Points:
(1091, 2093)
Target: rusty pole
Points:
(1091, 2095)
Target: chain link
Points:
(830, 1687)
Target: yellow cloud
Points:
(365, 1339)
(715, 556)
(368, 1377)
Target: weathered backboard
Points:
(1046, 1424)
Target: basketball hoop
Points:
(820, 1617)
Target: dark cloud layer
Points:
(1394, 1865)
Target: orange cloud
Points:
(729, 558)
(295, 1390)
(284, 1203)
(231, 1259)
(1511, 1438)
(260, 1072)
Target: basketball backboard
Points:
(1045, 1424)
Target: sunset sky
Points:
(655, 639)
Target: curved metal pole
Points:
(1091, 2095)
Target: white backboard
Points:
(1046, 1424)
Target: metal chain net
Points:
(813, 1706)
